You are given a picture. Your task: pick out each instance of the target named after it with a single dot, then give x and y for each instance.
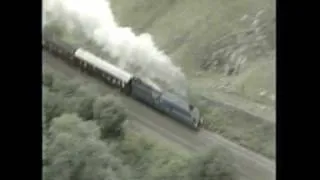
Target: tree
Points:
(110, 115)
(215, 164)
(85, 107)
(74, 152)
(167, 165)
(86, 95)
(52, 104)
(65, 87)
(76, 97)
(137, 152)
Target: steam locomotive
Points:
(138, 88)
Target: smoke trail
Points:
(96, 20)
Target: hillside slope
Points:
(188, 32)
(183, 28)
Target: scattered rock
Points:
(272, 97)
(198, 74)
(263, 93)
(244, 17)
(262, 107)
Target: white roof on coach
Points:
(101, 64)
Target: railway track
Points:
(251, 166)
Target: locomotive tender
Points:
(137, 88)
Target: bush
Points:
(110, 115)
(53, 105)
(215, 164)
(69, 96)
(154, 162)
(75, 152)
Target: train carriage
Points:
(105, 70)
(58, 47)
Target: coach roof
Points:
(105, 66)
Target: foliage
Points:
(155, 162)
(215, 164)
(109, 114)
(75, 152)
(52, 104)
(69, 96)
(65, 88)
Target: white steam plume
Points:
(96, 20)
